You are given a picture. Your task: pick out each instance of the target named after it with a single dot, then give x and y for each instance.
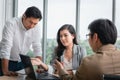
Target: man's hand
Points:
(41, 66)
(10, 73)
(5, 70)
(36, 61)
(39, 57)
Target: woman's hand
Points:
(58, 65)
(70, 72)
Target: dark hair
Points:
(33, 12)
(105, 29)
(59, 49)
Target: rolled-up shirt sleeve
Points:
(37, 50)
(7, 39)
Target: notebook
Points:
(31, 74)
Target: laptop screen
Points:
(28, 67)
(30, 71)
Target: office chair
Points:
(111, 77)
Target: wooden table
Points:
(8, 78)
(19, 77)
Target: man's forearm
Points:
(5, 65)
(39, 57)
(43, 65)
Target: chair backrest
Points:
(111, 77)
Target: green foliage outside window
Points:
(51, 44)
(86, 45)
(118, 44)
(30, 53)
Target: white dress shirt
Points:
(16, 39)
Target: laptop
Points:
(31, 74)
(111, 77)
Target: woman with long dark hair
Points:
(68, 52)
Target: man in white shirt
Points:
(18, 35)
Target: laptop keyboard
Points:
(47, 76)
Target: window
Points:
(117, 17)
(117, 22)
(89, 11)
(60, 12)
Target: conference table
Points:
(8, 78)
(19, 77)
